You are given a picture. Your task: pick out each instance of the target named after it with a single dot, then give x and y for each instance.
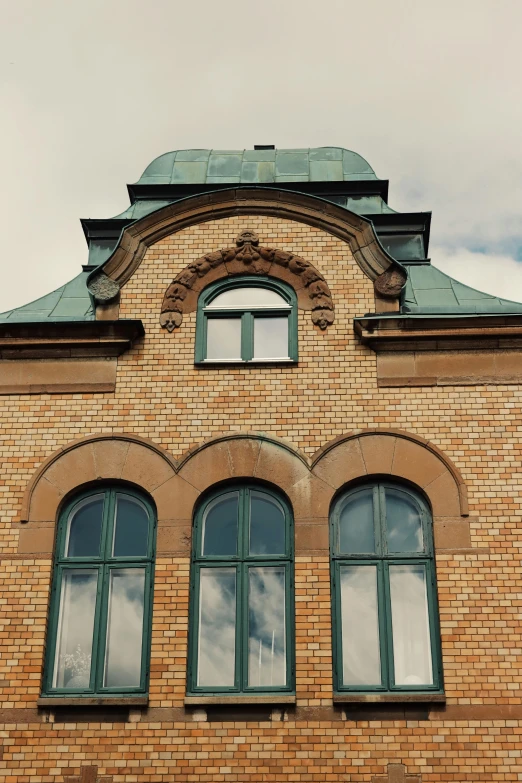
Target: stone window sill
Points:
(387, 698)
(93, 701)
(269, 698)
(242, 362)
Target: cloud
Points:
(93, 92)
(492, 273)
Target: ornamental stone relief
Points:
(248, 257)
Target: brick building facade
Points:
(398, 380)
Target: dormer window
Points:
(247, 320)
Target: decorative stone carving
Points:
(390, 283)
(103, 288)
(250, 258)
(88, 774)
(397, 774)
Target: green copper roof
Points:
(319, 164)
(430, 291)
(427, 290)
(71, 302)
(361, 205)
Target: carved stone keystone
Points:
(88, 774)
(397, 774)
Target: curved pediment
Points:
(358, 232)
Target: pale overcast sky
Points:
(428, 91)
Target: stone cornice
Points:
(353, 229)
(67, 339)
(448, 332)
(445, 351)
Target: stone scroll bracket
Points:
(389, 284)
(248, 257)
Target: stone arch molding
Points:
(176, 484)
(387, 274)
(248, 257)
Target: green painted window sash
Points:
(242, 629)
(386, 628)
(247, 318)
(103, 566)
(380, 530)
(243, 529)
(242, 561)
(382, 559)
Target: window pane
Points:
(267, 525)
(411, 630)
(248, 297)
(266, 627)
(403, 522)
(72, 668)
(131, 528)
(124, 628)
(356, 529)
(219, 533)
(84, 528)
(223, 338)
(217, 627)
(271, 338)
(360, 626)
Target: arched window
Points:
(386, 631)
(98, 637)
(247, 319)
(242, 602)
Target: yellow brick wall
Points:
(161, 395)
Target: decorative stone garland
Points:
(247, 257)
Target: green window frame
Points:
(98, 640)
(385, 621)
(241, 637)
(247, 316)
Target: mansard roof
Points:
(327, 174)
(311, 164)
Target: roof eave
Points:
(373, 187)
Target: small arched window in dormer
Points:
(247, 320)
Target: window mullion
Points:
(241, 678)
(387, 626)
(145, 639)
(100, 622)
(53, 625)
(242, 612)
(337, 625)
(247, 336)
(289, 624)
(433, 613)
(108, 521)
(194, 625)
(380, 520)
(243, 523)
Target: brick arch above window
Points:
(310, 485)
(248, 258)
(91, 460)
(394, 453)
